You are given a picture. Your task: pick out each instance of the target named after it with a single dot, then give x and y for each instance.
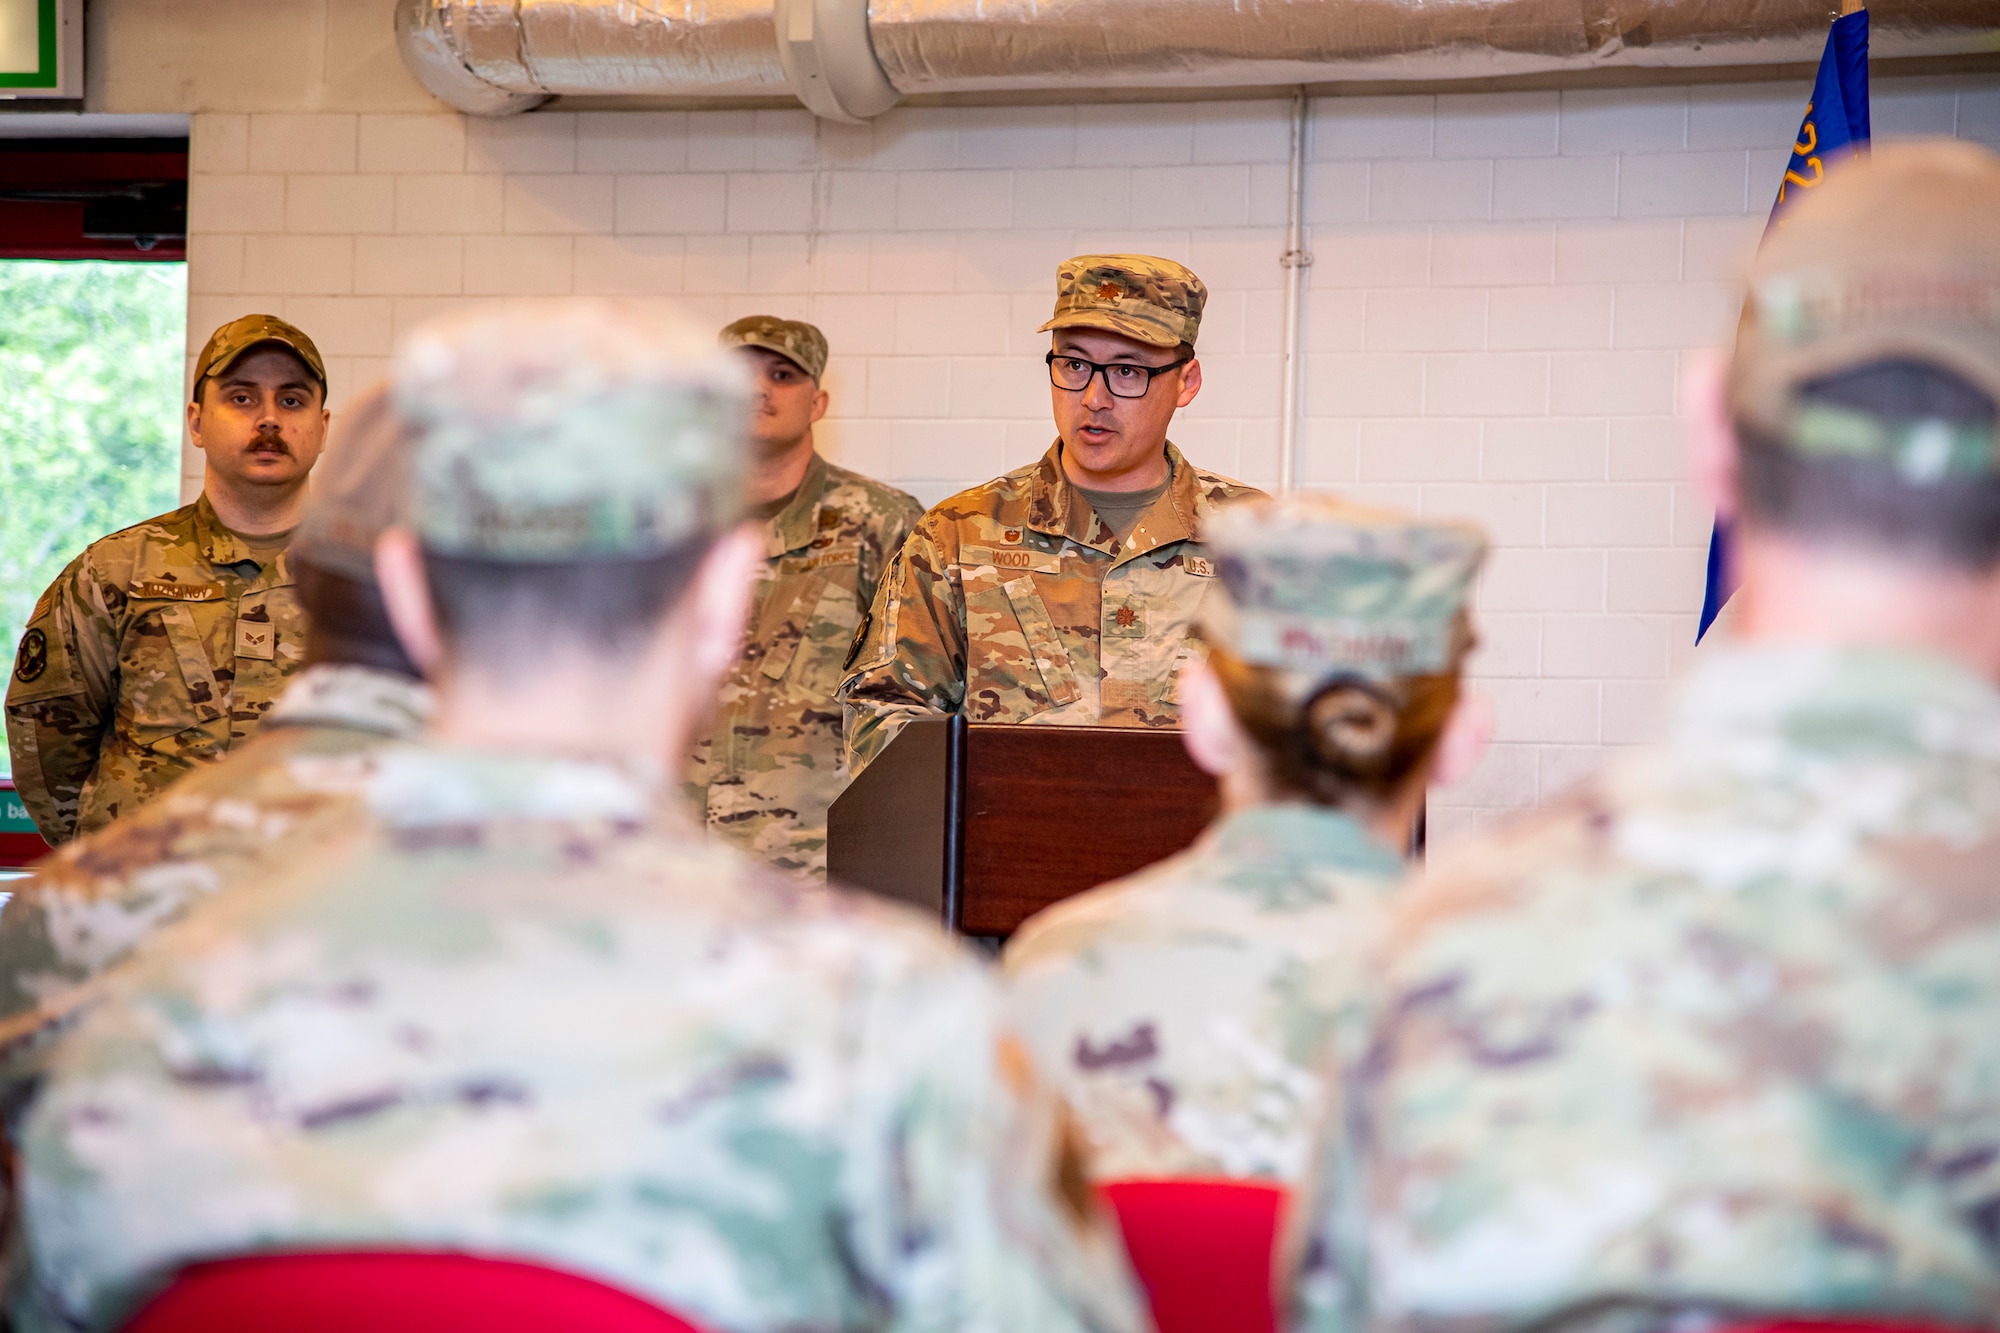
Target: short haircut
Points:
(508, 613)
(1954, 522)
(349, 623)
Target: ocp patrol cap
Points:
(360, 488)
(1896, 257)
(570, 431)
(1140, 296)
(238, 336)
(1321, 588)
(797, 341)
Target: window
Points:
(92, 354)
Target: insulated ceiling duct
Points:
(851, 59)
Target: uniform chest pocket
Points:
(808, 626)
(167, 683)
(1015, 662)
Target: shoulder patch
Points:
(33, 658)
(1040, 562)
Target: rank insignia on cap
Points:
(33, 658)
(1108, 291)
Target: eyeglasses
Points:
(1125, 381)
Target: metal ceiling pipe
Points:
(850, 59)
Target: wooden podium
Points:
(987, 823)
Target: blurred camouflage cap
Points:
(794, 339)
(1154, 300)
(1895, 258)
(360, 488)
(240, 335)
(571, 430)
(1320, 587)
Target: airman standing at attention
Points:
(773, 759)
(1714, 1039)
(1062, 592)
(163, 645)
(91, 903)
(528, 1008)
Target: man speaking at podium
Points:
(1062, 592)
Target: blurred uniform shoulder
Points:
(96, 898)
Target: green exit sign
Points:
(41, 48)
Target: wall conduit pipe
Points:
(842, 57)
(1295, 259)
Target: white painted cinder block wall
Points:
(1506, 287)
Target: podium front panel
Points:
(895, 830)
(1052, 811)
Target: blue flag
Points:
(1836, 123)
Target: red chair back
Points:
(1202, 1248)
(393, 1292)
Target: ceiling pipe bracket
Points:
(830, 62)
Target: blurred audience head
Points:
(363, 489)
(577, 473)
(1336, 638)
(1864, 394)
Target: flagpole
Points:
(1836, 125)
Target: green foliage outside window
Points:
(91, 361)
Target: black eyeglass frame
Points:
(1097, 369)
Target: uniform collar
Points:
(1057, 507)
(428, 785)
(219, 546)
(1748, 704)
(354, 698)
(797, 523)
(1283, 835)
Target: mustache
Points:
(273, 443)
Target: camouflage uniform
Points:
(1193, 1010)
(88, 905)
(1720, 1032)
(535, 1017)
(1719, 1028)
(1013, 602)
(1189, 1012)
(527, 1009)
(774, 761)
(157, 649)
